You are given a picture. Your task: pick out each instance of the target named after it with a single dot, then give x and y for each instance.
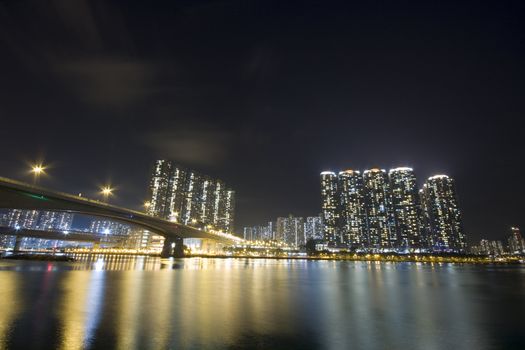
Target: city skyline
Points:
(262, 174)
(385, 211)
(472, 238)
(234, 91)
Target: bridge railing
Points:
(69, 195)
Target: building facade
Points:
(444, 215)
(290, 230)
(516, 242)
(185, 196)
(313, 228)
(35, 220)
(109, 227)
(405, 203)
(379, 211)
(329, 208)
(352, 216)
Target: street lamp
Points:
(37, 170)
(106, 191)
(147, 205)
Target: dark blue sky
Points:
(266, 95)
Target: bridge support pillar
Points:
(18, 243)
(173, 247)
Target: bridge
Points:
(18, 195)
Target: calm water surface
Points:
(104, 302)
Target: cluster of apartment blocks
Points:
(515, 245)
(182, 195)
(16, 219)
(294, 231)
(384, 211)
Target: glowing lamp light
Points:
(106, 191)
(37, 169)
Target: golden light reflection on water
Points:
(80, 309)
(9, 304)
(129, 302)
(129, 305)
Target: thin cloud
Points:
(115, 82)
(191, 145)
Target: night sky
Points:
(266, 95)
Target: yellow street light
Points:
(106, 191)
(37, 170)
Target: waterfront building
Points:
(109, 227)
(185, 196)
(35, 220)
(290, 230)
(247, 233)
(405, 203)
(38, 220)
(495, 248)
(18, 218)
(313, 228)
(255, 233)
(352, 211)
(52, 220)
(379, 212)
(226, 211)
(488, 247)
(160, 189)
(516, 242)
(271, 230)
(329, 207)
(261, 233)
(443, 214)
(424, 222)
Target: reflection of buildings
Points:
(81, 306)
(191, 198)
(11, 305)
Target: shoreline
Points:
(68, 257)
(433, 259)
